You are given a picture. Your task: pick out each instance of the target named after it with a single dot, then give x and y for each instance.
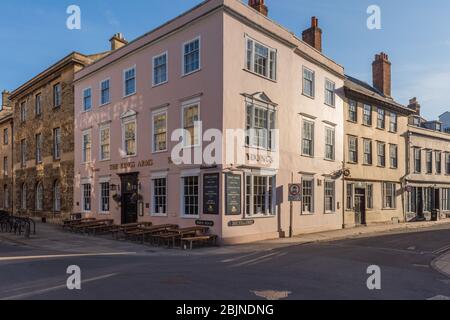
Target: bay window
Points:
(260, 126)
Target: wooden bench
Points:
(129, 229)
(207, 239)
(174, 235)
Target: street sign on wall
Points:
(295, 192)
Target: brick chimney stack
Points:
(414, 105)
(117, 41)
(259, 6)
(381, 72)
(5, 98)
(313, 35)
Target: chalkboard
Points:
(211, 193)
(233, 194)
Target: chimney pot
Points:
(117, 41)
(259, 6)
(313, 35)
(381, 73)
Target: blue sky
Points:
(415, 34)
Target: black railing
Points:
(17, 225)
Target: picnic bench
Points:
(205, 239)
(128, 228)
(85, 226)
(71, 223)
(174, 235)
(153, 231)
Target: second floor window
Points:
(393, 122)
(39, 148)
(308, 138)
(191, 56)
(57, 95)
(330, 96)
(105, 153)
(160, 69)
(438, 161)
(393, 156)
(104, 92)
(261, 59)
(352, 149)
(329, 143)
(367, 152)
(23, 111)
(447, 163)
(352, 111)
(129, 82)
(57, 143)
(308, 82)
(260, 123)
(37, 105)
(429, 160)
(87, 99)
(417, 160)
(160, 132)
(5, 136)
(381, 119)
(381, 147)
(86, 156)
(129, 138)
(367, 115)
(191, 118)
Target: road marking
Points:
(38, 292)
(254, 260)
(442, 250)
(240, 257)
(2, 259)
(439, 297)
(272, 295)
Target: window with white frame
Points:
(259, 195)
(393, 126)
(261, 59)
(160, 131)
(389, 195)
(191, 125)
(308, 138)
(87, 99)
(367, 152)
(87, 146)
(37, 105)
(417, 160)
(129, 81)
(105, 95)
(349, 196)
(23, 153)
(86, 194)
(427, 199)
(330, 95)
(159, 196)
(367, 115)
(104, 197)
(260, 126)
(352, 111)
(160, 69)
(330, 142)
(129, 137)
(381, 151)
(39, 194)
(23, 197)
(429, 161)
(381, 118)
(438, 162)
(105, 140)
(190, 196)
(330, 196)
(56, 196)
(38, 148)
(352, 149)
(446, 199)
(23, 112)
(447, 163)
(57, 95)
(308, 82)
(191, 56)
(57, 143)
(307, 195)
(369, 194)
(393, 156)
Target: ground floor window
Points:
(39, 196)
(330, 196)
(446, 199)
(369, 191)
(23, 199)
(159, 196)
(190, 196)
(308, 195)
(349, 190)
(389, 195)
(259, 195)
(56, 197)
(86, 197)
(412, 203)
(427, 199)
(104, 197)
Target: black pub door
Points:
(129, 198)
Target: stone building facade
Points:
(375, 154)
(44, 139)
(6, 154)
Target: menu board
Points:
(211, 193)
(233, 194)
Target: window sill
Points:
(159, 152)
(129, 95)
(159, 215)
(307, 214)
(351, 121)
(367, 164)
(259, 216)
(190, 73)
(130, 156)
(190, 217)
(330, 105)
(381, 129)
(307, 156)
(159, 84)
(104, 160)
(329, 160)
(367, 125)
(308, 96)
(259, 75)
(104, 105)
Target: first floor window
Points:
(105, 143)
(393, 156)
(56, 196)
(190, 124)
(104, 197)
(190, 196)
(367, 152)
(349, 190)
(160, 132)
(330, 195)
(381, 154)
(389, 195)
(23, 197)
(438, 161)
(259, 195)
(57, 143)
(308, 138)
(23, 153)
(417, 160)
(429, 161)
(39, 196)
(330, 88)
(308, 195)
(87, 146)
(86, 197)
(329, 143)
(352, 149)
(5, 166)
(130, 138)
(159, 197)
(260, 125)
(38, 148)
(447, 163)
(352, 111)
(446, 199)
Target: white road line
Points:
(442, 250)
(254, 260)
(60, 256)
(267, 259)
(439, 297)
(46, 290)
(240, 257)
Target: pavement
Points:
(413, 260)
